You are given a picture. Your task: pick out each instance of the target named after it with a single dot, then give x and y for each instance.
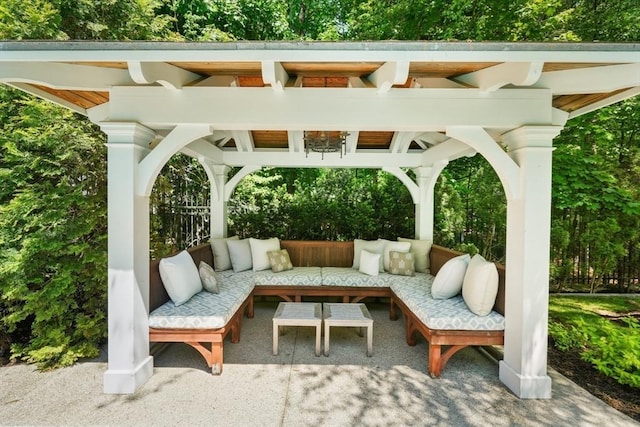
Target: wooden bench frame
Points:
(318, 253)
(443, 344)
(451, 341)
(197, 338)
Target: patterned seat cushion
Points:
(206, 310)
(344, 276)
(298, 276)
(447, 314)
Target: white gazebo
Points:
(405, 105)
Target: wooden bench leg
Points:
(216, 356)
(438, 360)
(393, 315)
(410, 331)
(235, 329)
(250, 311)
(434, 360)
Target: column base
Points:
(120, 381)
(525, 387)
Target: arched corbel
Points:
(235, 180)
(404, 178)
(478, 138)
(152, 164)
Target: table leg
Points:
(318, 335)
(276, 332)
(327, 328)
(369, 340)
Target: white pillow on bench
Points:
(448, 280)
(480, 286)
(180, 277)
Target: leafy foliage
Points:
(612, 347)
(52, 231)
(312, 204)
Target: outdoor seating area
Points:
(449, 320)
(406, 108)
(296, 388)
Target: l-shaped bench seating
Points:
(322, 269)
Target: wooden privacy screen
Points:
(318, 253)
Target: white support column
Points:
(218, 204)
(426, 178)
(128, 294)
(524, 368)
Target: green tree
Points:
(52, 231)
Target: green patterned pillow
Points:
(402, 263)
(279, 260)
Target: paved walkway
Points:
(296, 388)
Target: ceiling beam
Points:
(591, 80)
(275, 75)
(493, 78)
(329, 108)
(351, 142)
(201, 149)
(285, 158)
(64, 76)
(448, 151)
(296, 141)
(169, 76)
(389, 74)
(244, 140)
(401, 141)
(218, 81)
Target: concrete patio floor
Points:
(296, 388)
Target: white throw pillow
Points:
(240, 254)
(373, 246)
(448, 281)
(180, 277)
(221, 259)
(209, 278)
(259, 249)
(480, 286)
(403, 247)
(420, 250)
(369, 263)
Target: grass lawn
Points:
(604, 330)
(603, 333)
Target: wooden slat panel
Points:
(309, 253)
(120, 65)
(338, 69)
(80, 98)
(571, 103)
(371, 139)
(270, 138)
(561, 66)
(222, 68)
(250, 81)
(446, 69)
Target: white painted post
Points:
(426, 178)
(219, 208)
(524, 368)
(129, 363)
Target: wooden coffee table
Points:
(348, 315)
(297, 314)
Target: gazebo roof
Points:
(259, 97)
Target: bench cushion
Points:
(298, 276)
(206, 310)
(447, 314)
(344, 276)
